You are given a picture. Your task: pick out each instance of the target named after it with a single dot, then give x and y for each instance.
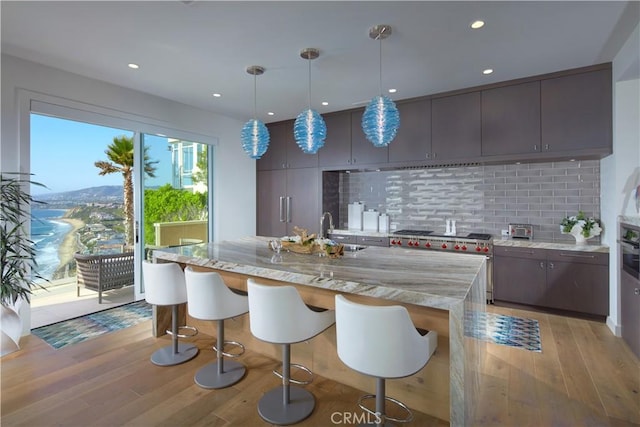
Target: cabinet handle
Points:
(546, 146)
(349, 161)
(636, 291)
(518, 251)
(576, 255)
(288, 209)
(339, 237)
(541, 264)
(535, 147)
(281, 209)
(428, 155)
(435, 155)
(551, 266)
(364, 239)
(354, 160)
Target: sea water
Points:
(47, 232)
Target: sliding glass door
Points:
(174, 193)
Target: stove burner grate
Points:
(412, 232)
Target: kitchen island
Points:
(438, 289)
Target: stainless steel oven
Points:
(630, 252)
(471, 244)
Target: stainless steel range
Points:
(472, 243)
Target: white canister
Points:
(370, 220)
(383, 223)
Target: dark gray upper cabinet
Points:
(413, 141)
(276, 155)
(337, 146)
(576, 112)
(283, 152)
(286, 199)
(363, 152)
(511, 119)
(456, 127)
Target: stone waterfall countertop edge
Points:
(498, 241)
(424, 278)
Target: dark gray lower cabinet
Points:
(519, 275)
(630, 310)
(578, 281)
(287, 198)
(566, 280)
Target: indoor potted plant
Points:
(581, 227)
(17, 255)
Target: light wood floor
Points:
(584, 376)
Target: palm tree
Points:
(120, 155)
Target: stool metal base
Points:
(166, 356)
(209, 376)
(273, 410)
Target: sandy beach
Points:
(68, 246)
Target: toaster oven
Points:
(521, 231)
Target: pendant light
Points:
(255, 135)
(309, 129)
(381, 119)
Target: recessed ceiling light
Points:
(216, 95)
(393, 90)
(487, 71)
(325, 103)
(271, 113)
(477, 24)
(133, 66)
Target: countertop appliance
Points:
(472, 243)
(521, 231)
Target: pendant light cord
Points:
(309, 92)
(380, 83)
(255, 97)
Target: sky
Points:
(63, 153)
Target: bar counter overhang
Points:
(438, 289)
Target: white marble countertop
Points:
(426, 278)
(630, 220)
(560, 246)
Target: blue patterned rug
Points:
(504, 330)
(76, 330)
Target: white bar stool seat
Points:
(278, 315)
(209, 298)
(382, 342)
(164, 285)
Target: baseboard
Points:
(614, 327)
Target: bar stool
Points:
(382, 342)
(278, 315)
(208, 298)
(164, 285)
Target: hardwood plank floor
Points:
(584, 376)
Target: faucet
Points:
(324, 234)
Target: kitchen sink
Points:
(353, 248)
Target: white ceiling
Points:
(189, 50)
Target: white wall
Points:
(234, 173)
(234, 189)
(620, 172)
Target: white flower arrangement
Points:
(581, 225)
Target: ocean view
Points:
(47, 232)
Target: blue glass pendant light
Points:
(309, 129)
(381, 119)
(255, 135)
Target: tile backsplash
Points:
(481, 198)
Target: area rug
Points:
(504, 330)
(82, 328)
